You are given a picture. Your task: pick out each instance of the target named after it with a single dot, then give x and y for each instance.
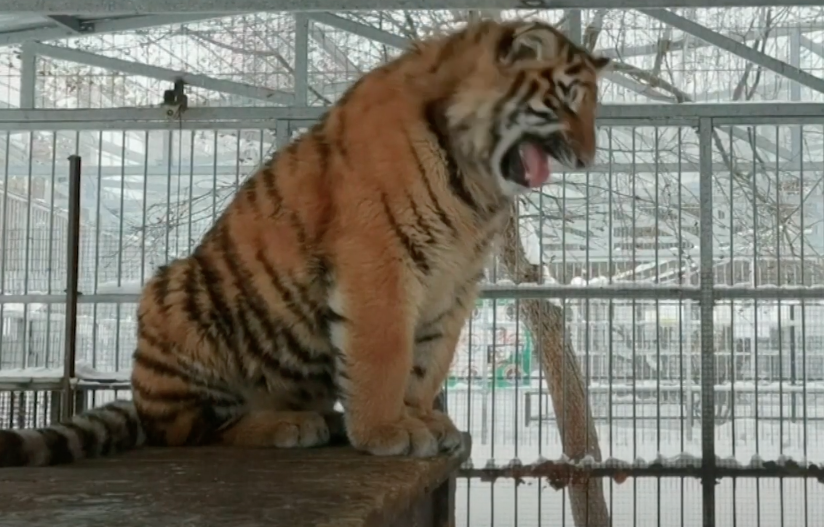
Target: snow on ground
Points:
(499, 433)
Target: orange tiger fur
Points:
(347, 266)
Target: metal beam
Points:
(815, 47)
(301, 76)
(641, 89)
(330, 48)
(687, 114)
(574, 25)
(99, 27)
(736, 48)
(209, 170)
(677, 45)
(522, 291)
(70, 23)
(356, 28)
(154, 72)
(797, 139)
(28, 76)
(131, 7)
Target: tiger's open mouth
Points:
(526, 163)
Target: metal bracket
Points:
(175, 100)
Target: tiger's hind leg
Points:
(207, 424)
(284, 429)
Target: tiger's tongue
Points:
(536, 164)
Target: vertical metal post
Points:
(72, 277)
(301, 59)
(282, 134)
(574, 25)
(28, 76)
(28, 87)
(795, 95)
(707, 306)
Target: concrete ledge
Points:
(229, 487)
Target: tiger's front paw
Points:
(405, 437)
(441, 425)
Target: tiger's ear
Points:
(529, 42)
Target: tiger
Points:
(344, 269)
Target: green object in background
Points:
(513, 366)
(516, 368)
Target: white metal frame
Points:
(307, 27)
(109, 7)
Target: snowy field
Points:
(499, 434)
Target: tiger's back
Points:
(345, 268)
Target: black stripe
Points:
(332, 317)
(270, 182)
(167, 370)
(504, 46)
(324, 150)
(420, 222)
(191, 290)
(454, 177)
(327, 317)
(251, 307)
(121, 442)
(431, 193)
(300, 230)
(292, 304)
(575, 69)
(249, 189)
(523, 100)
(184, 397)
(161, 289)
(219, 315)
(208, 423)
(340, 140)
(108, 427)
(414, 252)
(12, 453)
(152, 341)
(255, 306)
(437, 319)
(510, 94)
(57, 445)
(87, 438)
(429, 337)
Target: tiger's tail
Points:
(105, 430)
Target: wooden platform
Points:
(227, 487)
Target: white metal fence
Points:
(689, 262)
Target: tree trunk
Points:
(564, 379)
